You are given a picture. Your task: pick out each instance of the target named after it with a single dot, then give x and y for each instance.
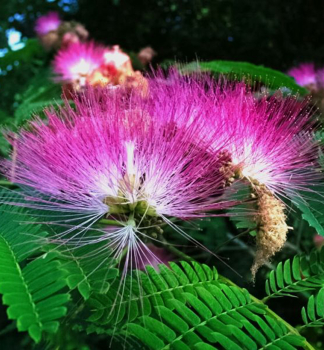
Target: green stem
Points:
(110, 222)
(6, 183)
(231, 239)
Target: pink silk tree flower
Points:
(268, 143)
(76, 63)
(47, 23)
(109, 159)
(304, 74)
(273, 149)
(274, 144)
(269, 139)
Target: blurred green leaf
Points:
(248, 71)
(31, 49)
(40, 93)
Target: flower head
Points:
(77, 62)
(272, 147)
(304, 74)
(267, 142)
(47, 23)
(146, 55)
(122, 160)
(274, 144)
(269, 139)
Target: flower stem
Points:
(6, 183)
(231, 239)
(110, 222)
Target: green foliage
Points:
(301, 274)
(242, 215)
(247, 71)
(143, 291)
(31, 49)
(30, 291)
(313, 314)
(311, 206)
(187, 307)
(41, 92)
(88, 271)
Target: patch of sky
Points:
(14, 39)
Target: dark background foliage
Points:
(274, 33)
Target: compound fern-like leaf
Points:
(301, 274)
(313, 314)
(33, 292)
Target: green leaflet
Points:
(32, 293)
(87, 270)
(311, 206)
(313, 314)
(253, 73)
(297, 275)
(242, 215)
(311, 203)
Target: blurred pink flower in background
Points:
(304, 74)
(47, 23)
(146, 55)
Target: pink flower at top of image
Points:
(77, 62)
(269, 139)
(272, 140)
(47, 23)
(115, 57)
(304, 74)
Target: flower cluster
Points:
(174, 153)
(79, 63)
(83, 64)
(268, 141)
(313, 80)
(54, 33)
(307, 75)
